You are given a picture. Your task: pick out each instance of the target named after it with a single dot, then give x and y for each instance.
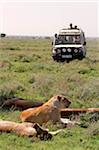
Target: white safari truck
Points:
(69, 44)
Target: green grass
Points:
(28, 71)
(71, 139)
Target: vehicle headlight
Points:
(58, 51)
(69, 50)
(76, 50)
(64, 49)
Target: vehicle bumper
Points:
(60, 57)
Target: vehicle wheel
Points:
(67, 61)
(55, 59)
(81, 57)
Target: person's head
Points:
(55, 35)
(71, 26)
(75, 27)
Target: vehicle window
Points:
(68, 39)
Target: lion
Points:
(26, 129)
(49, 111)
(20, 104)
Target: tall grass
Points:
(27, 70)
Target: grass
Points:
(28, 71)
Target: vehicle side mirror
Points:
(85, 43)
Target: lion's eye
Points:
(64, 100)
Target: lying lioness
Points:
(50, 111)
(20, 104)
(25, 129)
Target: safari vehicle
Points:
(69, 44)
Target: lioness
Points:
(25, 129)
(50, 111)
(20, 104)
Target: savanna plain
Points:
(28, 71)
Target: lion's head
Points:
(60, 101)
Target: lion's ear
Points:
(59, 98)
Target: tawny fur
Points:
(50, 111)
(27, 129)
(22, 129)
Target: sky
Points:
(45, 18)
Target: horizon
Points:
(38, 36)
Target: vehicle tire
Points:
(67, 61)
(80, 58)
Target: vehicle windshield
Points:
(67, 39)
